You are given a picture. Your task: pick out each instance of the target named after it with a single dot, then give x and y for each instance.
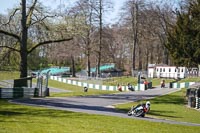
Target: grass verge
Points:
(75, 90)
(5, 75)
(171, 106)
(132, 80)
(26, 119)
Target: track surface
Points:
(102, 104)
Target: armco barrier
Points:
(181, 85)
(18, 92)
(139, 87)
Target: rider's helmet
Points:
(147, 106)
(148, 103)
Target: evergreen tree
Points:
(184, 37)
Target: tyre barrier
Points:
(197, 102)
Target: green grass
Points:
(76, 90)
(190, 79)
(133, 80)
(120, 80)
(5, 75)
(172, 106)
(155, 81)
(26, 119)
(22, 119)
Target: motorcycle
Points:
(140, 110)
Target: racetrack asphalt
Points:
(103, 104)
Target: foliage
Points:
(184, 37)
(9, 60)
(34, 60)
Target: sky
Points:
(9, 4)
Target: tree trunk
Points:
(73, 66)
(135, 32)
(88, 57)
(159, 53)
(140, 59)
(88, 52)
(100, 38)
(147, 59)
(151, 57)
(23, 43)
(166, 57)
(88, 64)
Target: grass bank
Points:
(114, 81)
(27, 119)
(75, 90)
(6, 75)
(155, 81)
(171, 106)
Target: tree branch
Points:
(10, 34)
(13, 49)
(48, 42)
(42, 19)
(30, 13)
(11, 16)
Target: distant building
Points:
(165, 71)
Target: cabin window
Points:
(157, 69)
(160, 69)
(169, 69)
(181, 70)
(175, 69)
(163, 69)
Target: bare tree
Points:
(28, 19)
(89, 14)
(85, 14)
(134, 16)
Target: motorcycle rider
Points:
(143, 106)
(130, 87)
(162, 83)
(146, 106)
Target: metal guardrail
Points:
(18, 92)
